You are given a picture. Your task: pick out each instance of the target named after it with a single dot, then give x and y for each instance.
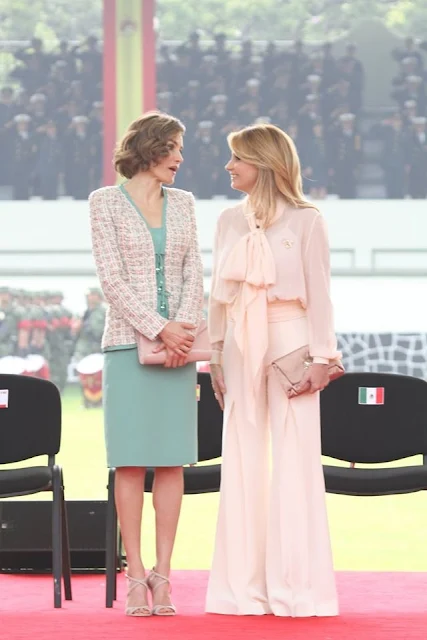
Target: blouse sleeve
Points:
(322, 338)
(217, 320)
(191, 304)
(109, 268)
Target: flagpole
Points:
(109, 90)
(129, 68)
(149, 54)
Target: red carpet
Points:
(380, 606)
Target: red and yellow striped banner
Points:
(129, 69)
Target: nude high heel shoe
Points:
(142, 610)
(154, 581)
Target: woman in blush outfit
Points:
(270, 296)
(148, 261)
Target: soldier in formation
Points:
(90, 327)
(39, 330)
(87, 354)
(8, 324)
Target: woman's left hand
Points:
(316, 378)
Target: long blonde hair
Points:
(273, 152)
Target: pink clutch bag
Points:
(200, 351)
(291, 368)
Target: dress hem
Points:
(149, 465)
(230, 609)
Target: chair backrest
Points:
(30, 425)
(374, 417)
(210, 418)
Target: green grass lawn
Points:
(376, 534)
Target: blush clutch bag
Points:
(200, 351)
(290, 369)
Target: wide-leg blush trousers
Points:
(272, 549)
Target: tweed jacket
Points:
(125, 262)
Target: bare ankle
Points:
(136, 570)
(163, 569)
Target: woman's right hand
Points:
(173, 360)
(176, 337)
(218, 384)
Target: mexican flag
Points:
(371, 395)
(4, 398)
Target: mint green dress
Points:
(150, 413)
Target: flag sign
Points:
(371, 395)
(4, 398)
(198, 392)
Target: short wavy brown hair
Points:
(145, 142)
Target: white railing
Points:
(79, 263)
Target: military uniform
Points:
(351, 69)
(60, 339)
(59, 355)
(408, 68)
(96, 133)
(78, 160)
(24, 323)
(316, 162)
(38, 111)
(251, 102)
(409, 51)
(22, 158)
(204, 155)
(279, 114)
(7, 110)
(413, 89)
(223, 185)
(88, 348)
(408, 114)
(309, 114)
(91, 330)
(217, 111)
(190, 97)
(347, 155)
(39, 344)
(394, 158)
(417, 159)
(50, 162)
(8, 324)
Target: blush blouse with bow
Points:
(289, 261)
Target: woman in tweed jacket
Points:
(148, 262)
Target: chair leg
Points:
(111, 543)
(66, 560)
(117, 552)
(56, 537)
(120, 556)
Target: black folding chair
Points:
(198, 479)
(374, 418)
(30, 426)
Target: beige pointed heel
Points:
(142, 610)
(154, 581)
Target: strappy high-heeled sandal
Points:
(154, 581)
(142, 610)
